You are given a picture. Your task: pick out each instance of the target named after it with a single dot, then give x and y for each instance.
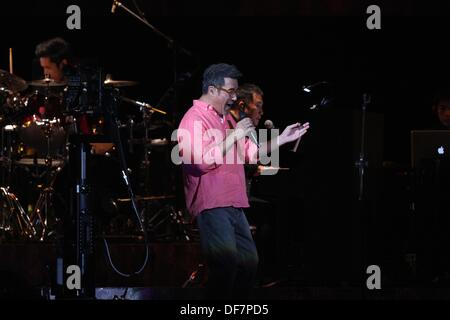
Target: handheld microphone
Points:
(114, 6)
(268, 124)
(252, 134)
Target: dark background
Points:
(400, 65)
(320, 228)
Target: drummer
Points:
(55, 57)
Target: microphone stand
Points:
(159, 33)
(362, 164)
(175, 47)
(143, 105)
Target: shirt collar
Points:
(206, 106)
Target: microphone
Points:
(268, 124)
(252, 134)
(313, 86)
(323, 103)
(142, 104)
(114, 6)
(318, 90)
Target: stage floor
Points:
(170, 264)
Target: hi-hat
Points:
(47, 82)
(12, 82)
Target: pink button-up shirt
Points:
(211, 180)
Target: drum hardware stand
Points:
(6, 157)
(41, 212)
(24, 223)
(167, 213)
(78, 243)
(131, 135)
(175, 219)
(147, 113)
(145, 165)
(11, 208)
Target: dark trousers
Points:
(230, 253)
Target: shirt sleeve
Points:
(199, 151)
(251, 152)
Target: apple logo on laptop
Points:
(440, 150)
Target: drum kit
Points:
(34, 139)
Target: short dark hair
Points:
(245, 93)
(56, 49)
(441, 94)
(214, 75)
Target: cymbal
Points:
(11, 82)
(154, 126)
(140, 127)
(119, 83)
(148, 198)
(47, 82)
(150, 142)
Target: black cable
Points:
(118, 140)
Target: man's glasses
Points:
(231, 91)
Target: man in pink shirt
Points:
(214, 182)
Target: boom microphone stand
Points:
(171, 42)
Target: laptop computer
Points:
(429, 144)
